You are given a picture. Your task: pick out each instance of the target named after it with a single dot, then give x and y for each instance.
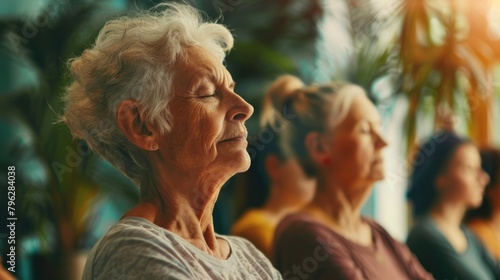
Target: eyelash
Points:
(366, 130)
(208, 96)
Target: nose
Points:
(380, 140)
(240, 110)
(484, 178)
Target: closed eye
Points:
(365, 128)
(208, 95)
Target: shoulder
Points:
(300, 225)
(424, 229)
(132, 245)
(381, 232)
(134, 232)
(253, 221)
(301, 233)
(252, 215)
(302, 242)
(300, 222)
(375, 226)
(427, 242)
(130, 230)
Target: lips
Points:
(237, 137)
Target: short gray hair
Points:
(133, 58)
(315, 108)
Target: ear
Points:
(130, 119)
(316, 147)
(440, 182)
(272, 165)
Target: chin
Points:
(378, 176)
(473, 204)
(477, 203)
(247, 163)
(240, 162)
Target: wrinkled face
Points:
(356, 146)
(464, 180)
(208, 132)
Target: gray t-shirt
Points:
(135, 248)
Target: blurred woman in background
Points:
(446, 181)
(485, 220)
(336, 138)
(290, 188)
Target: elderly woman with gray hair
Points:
(153, 98)
(335, 134)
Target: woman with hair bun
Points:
(336, 137)
(290, 188)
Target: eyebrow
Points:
(215, 73)
(196, 83)
(207, 73)
(376, 122)
(215, 80)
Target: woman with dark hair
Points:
(289, 187)
(335, 134)
(446, 181)
(485, 220)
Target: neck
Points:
(183, 204)
(449, 215)
(283, 201)
(343, 207)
